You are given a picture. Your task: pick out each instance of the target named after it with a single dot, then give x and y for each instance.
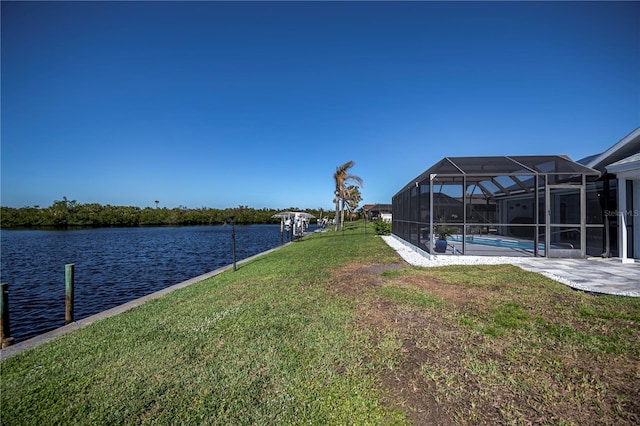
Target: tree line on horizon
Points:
(69, 213)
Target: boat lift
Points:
(296, 224)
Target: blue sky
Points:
(220, 104)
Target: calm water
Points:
(112, 266)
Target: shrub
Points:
(382, 227)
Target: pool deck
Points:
(594, 275)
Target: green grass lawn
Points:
(336, 329)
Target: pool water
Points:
(498, 242)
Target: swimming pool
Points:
(497, 242)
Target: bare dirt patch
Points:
(354, 279)
(449, 293)
(440, 371)
(402, 383)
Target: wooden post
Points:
(5, 330)
(233, 239)
(233, 244)
(69, 272)
(281, 230)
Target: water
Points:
(112, 266)
(498, 242)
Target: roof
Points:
(380, 207)
(484, 169)
(630, 163)
(516, 165)
(626, 147)
(287, 215)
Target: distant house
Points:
(366, 209)
(378, 211)
(544, 205)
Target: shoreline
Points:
(36, 341)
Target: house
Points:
(545, 205)
(366, 209)
(378, 211)
(620, 189)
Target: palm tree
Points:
(352, 200)
(341, 177)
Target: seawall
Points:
(50, 335)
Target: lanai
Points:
(535, 201)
